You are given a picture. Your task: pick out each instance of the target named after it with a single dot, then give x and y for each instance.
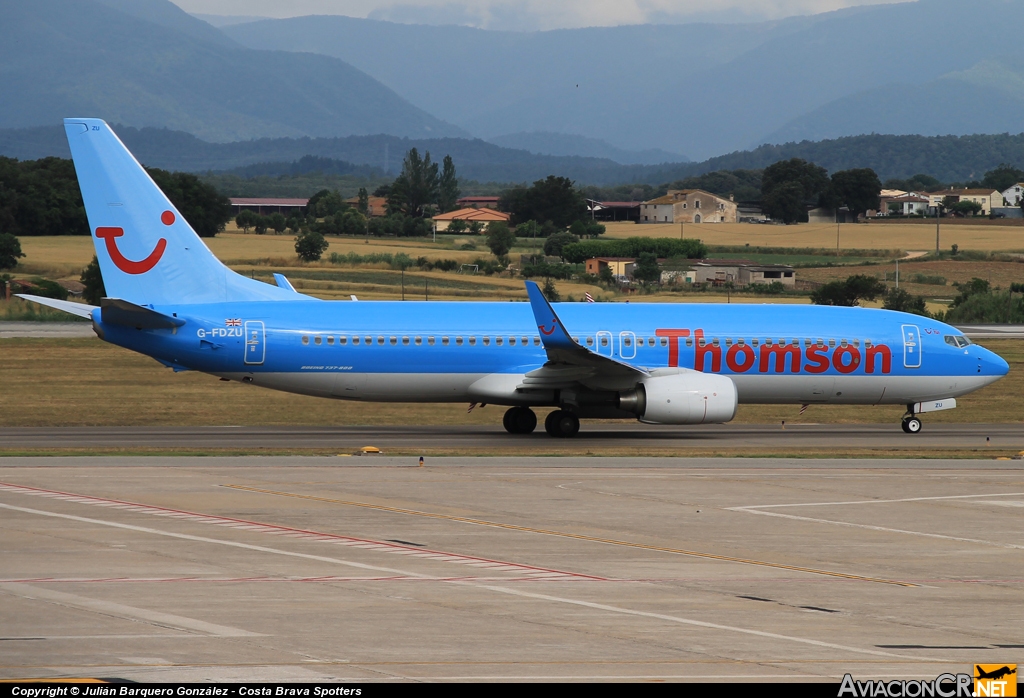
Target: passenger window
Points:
(715, 341)
(405, 341)
(651, 341)
(856, 343)
(380, 340)
(526, 341)
(576, 339)
(701, 342)
(342, 339)
(430, 341)
(355, 339)
(394, 341)
(498, 341)
(753, 342)
(536, 341)
(689, 341)
(418, 341)
(305, 339)
(318, 340)
(664, 341)
(458, 340)
(604, 341)
(627, 341)
(728, 341)
(511, 341)
(444, 341)
(330, 339)
(740, 341)
(831, 342)
(590, 341)
(369, 340)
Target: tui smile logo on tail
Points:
(128, 266)
(554, 324)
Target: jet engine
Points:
(687, 397)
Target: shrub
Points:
(310, 245)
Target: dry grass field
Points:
(852, 236)
(85, 382)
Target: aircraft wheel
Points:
(912, 425)
(519, 420)
(562, 423)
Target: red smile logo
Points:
(547, 332)
(129, 266)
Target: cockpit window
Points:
(957, 340)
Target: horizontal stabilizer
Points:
(79, 309)
(119, 312)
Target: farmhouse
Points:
(906, 203)
(375, 205)
(469, 215)
(987, 198)
(614, 210)
(1014, 195)
(619, 266)
(689, 206)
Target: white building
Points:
(1014, 194)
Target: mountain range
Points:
(930, 67)
(148, 63)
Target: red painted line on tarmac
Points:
(530, 571)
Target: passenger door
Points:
(911, 346)
(255, 342)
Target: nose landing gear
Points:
(911, 424)
(519, 420)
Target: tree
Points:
(500, 238)
(554, 199)
(310, 245)
(259, 225)
(456, 226)
(92, 279)
(10, 251)
(1002, 177)
(205, 209)
(475, 227)
(857, 189)
(415, 187)
(448, 186)
(899, 299)
(785, 203)
(788, 185)
(529, 229)
(849, 292)
(325, 203)
(966, 208)
(587, 229)
(554, 244)
(550, 292)
(351, 223)
(277, 222)
(246, 219)
(647, 270)
(363, 204)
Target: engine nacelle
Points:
(687, 397)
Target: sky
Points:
(529, 15)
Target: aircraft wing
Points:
(79, 309)
(569, 363)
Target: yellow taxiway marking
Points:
(575, 536)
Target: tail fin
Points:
(148, 253)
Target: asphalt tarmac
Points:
(515, 569)
(593, 435)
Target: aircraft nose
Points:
(994, 364)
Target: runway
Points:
(593, 435)
(515, 569)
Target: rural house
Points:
(689, 206)
(375, 205)
(1014, 195)
(742, 272)
(469, 215)
(621, 267)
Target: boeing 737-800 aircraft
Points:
(171, 299)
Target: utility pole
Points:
(403, 284)
(937, 220)
(897, 272)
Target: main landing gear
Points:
(562, 423)
(519, 420)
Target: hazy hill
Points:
(147, 63)
(948, 158)
(697, 89)
(547, 143)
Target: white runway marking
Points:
(884, 529)
(118, 610)
(539, 573)
(877, 501)
(498, 589)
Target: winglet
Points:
(552, 332)
(283, 282)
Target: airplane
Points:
(171, 299)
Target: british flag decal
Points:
(233, 322)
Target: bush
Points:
(554, 271)
(49, 289)
(92, 279)
(579, 252)
(899, 299)
(310, 245)
(775, 288)
(554, 245)
(850, 292)
(929, 280)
